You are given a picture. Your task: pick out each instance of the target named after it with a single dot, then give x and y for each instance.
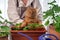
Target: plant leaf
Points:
(1, 17)
(0, 12)
(51, 3)
(1, 22)
(51, 12)
(56, 8)
(47, 23)
(57, 26)
(26, 28)
(5, 29)
(18, 24)
(57, 18)
(8, 21)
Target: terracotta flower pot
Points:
(34, 34)
(4, 38)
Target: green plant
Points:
(4, 29)
(52, 12)
(33, 26)
(0, 12)
(16, 27)
(5, 20)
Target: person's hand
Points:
(52, 31)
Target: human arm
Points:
(12, 12)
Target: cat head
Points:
(31, 12)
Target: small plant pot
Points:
(34, 34)
(4, 38)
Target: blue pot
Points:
(42, 37)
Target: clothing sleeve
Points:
(37, 5)
(12, 12)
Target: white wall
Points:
(3, 8)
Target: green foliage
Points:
(26, 28)
(32, 26)
(3, 34)
(57, 26)
(57, 18)
(0, 12)
(4, 31)
(1, 17)
(7, 21)
(54, 8)
(17, 26)
(47, 22)
(48, 13)
(1, 22)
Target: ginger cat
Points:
(30, 17)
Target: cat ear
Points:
(29, 7)
(35, 8)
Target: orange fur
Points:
(30, 17)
